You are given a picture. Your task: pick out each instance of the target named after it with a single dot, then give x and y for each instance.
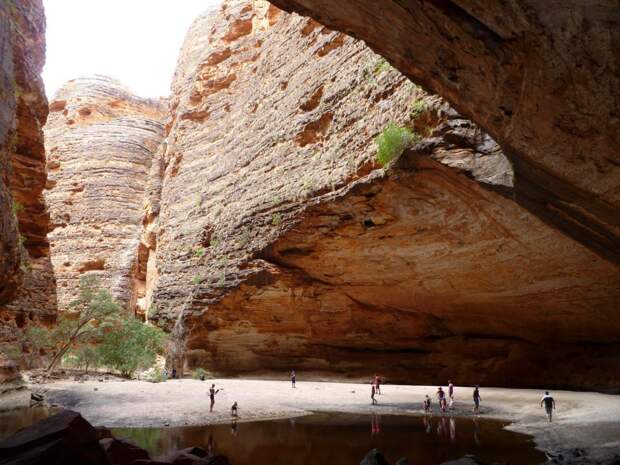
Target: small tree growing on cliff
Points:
(88, 316)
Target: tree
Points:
(89, 315)
(37, 338)
(83, 356)
(131, 345)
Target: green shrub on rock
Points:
(392, 142)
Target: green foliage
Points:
(22, 239)
(199, 373)
(131, 345)
(154, 375)
(197, 280)
(17, 208)
(244, 238)
(392, 142)
(12, 351)
(89, 316)
(199, 252)
(37, 339)
(381, 65)
(418, 108)
(82, 357)
(25, 266)
(276, 219)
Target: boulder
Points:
(122, 452)
(62, 439)
(374, 457)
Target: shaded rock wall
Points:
(279, 242)
(27, 287)
(100, 141)
(542, 78)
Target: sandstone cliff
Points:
(542, 78)
(27, 287)
(274, 241)
(100, 141)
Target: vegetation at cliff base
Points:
(131, 345)
(94, 332)
(88, 317)
(199, 373)
(392, 142)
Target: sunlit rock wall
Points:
(280, 243)
(100, 140)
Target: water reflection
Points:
(345, 439)
(337, 439)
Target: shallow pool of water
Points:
(345, 439)
(333, 438)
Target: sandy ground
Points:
(584, 420)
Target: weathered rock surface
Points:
(100, 141)
(27, 287)
(280, 243)
(542, 78)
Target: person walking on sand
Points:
(212, 393)
(373, 390)
(477, 399)
(441, 395)
(293, 378)
(234, 410)
(549, 404)
(451, 392)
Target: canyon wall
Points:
(100, 141)
(542, 78)
(27, 287)
(275, 241)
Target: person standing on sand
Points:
(372, 393)
(477, 399)
(378, 384)
(549, 404)
(427, 404)
(293, 378)
(212, 393)
(451, 392)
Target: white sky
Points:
(134, 41)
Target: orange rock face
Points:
(27, 287)
(280, 243)
(541, 77)
(100, 141)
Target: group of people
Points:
(442, 398)
(446, 401)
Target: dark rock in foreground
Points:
(67, 439)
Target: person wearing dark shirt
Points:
(477, 399)
(549, 404)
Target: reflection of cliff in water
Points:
(345, 439)
(18, 418)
